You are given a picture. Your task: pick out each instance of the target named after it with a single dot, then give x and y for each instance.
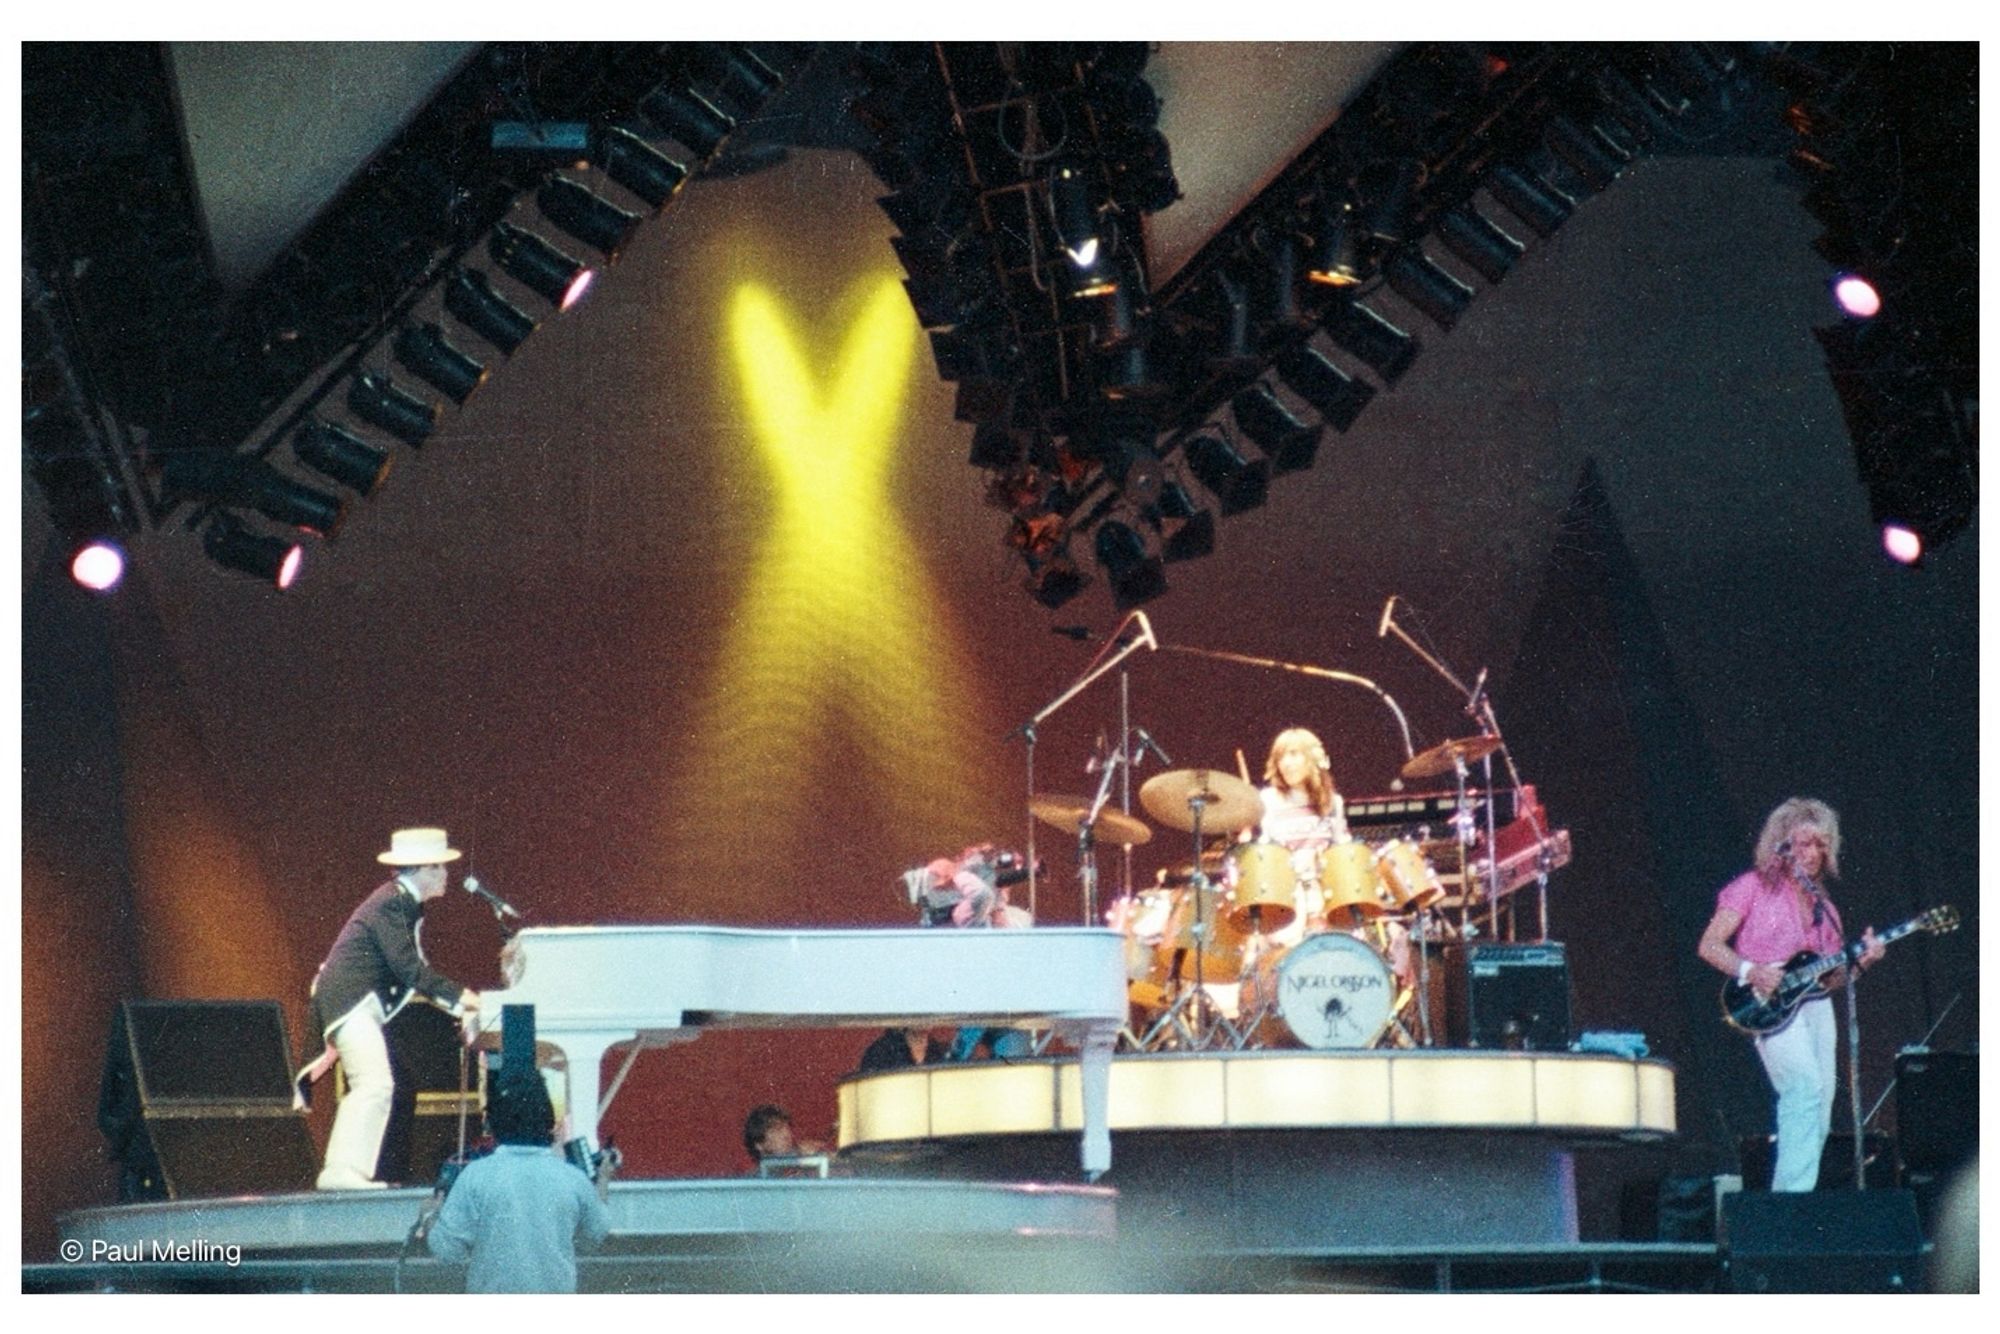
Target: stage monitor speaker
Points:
(1937, 1109)
(196, 1101)
(1823, 1241)
(1511, 997)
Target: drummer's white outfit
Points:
(1290, 819)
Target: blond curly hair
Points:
(1792, 815)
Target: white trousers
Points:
(1799, 1059)
(362, 1117)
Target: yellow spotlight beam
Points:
(840, 643)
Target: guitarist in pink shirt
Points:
(1762, 919)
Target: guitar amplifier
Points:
(1507, 996)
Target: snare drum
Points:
(1263, 878)
(1335, 992)
(1350, 888)
(1407, 877)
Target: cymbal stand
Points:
(1207, 1019)
(1086, 834)
(1543, 854)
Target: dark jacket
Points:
(377, 951)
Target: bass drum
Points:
(1334, 992)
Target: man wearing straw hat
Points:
(376, 964)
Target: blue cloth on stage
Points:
(1632, 1046)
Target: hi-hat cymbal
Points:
(1443, 758)
(1226, 801)
(1067, 814)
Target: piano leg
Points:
(584, 1055)
(1095, 1067)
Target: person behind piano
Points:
(898, 1049)
(518, 1214)
(375, 966)
(768, 1133)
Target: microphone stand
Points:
(1026, 730)
(1305, 669)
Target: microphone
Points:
(1478, 689)
(499, 905)
(1147, 627)
(1388, 608)
(1146, 742)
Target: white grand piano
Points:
(596, 987)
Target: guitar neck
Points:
(1848, 953)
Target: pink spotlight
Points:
(1902, 543)
(577, 287)
(1857, 296)
(289, 570)
(98, 566)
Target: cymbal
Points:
(1066, 814)
(1443, 758)
(1227, 801)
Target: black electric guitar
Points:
(1747, 1014)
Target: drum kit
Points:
(1256, 943)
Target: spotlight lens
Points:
(98, 567)
(289, 571)
(1084, 255)
(1857, 296)
(577, 287)
(1901, 543)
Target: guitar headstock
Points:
(1938, 920)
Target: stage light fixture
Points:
(1856, 296)
(1193, 539)
(747, 76)
(1902, 543)
(1336, 251)
(1287, 442)
(376, 400)
(423, 349)
(98, 565)
(1536, 202)
(1238, 353)
(1134, 576)
(639, 167)
(1375, 342)
(591, 219)
(335, 452)
(1418, 280)
(1393, 187)
(1129, 377)
(1281, 284)
(471, 298)
(1135, 470)
(688, 117)
(233, 546)
(1075, 220)
(285, 500)
(559, 278)
(1176, 502)
(1056, 582)
(1236, 483)
(1336, 396)
(1590, 153)
(1487, 250)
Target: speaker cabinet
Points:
(1937, 1109)
(1510, 997)
(196, 1101)
(1823, 1241)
